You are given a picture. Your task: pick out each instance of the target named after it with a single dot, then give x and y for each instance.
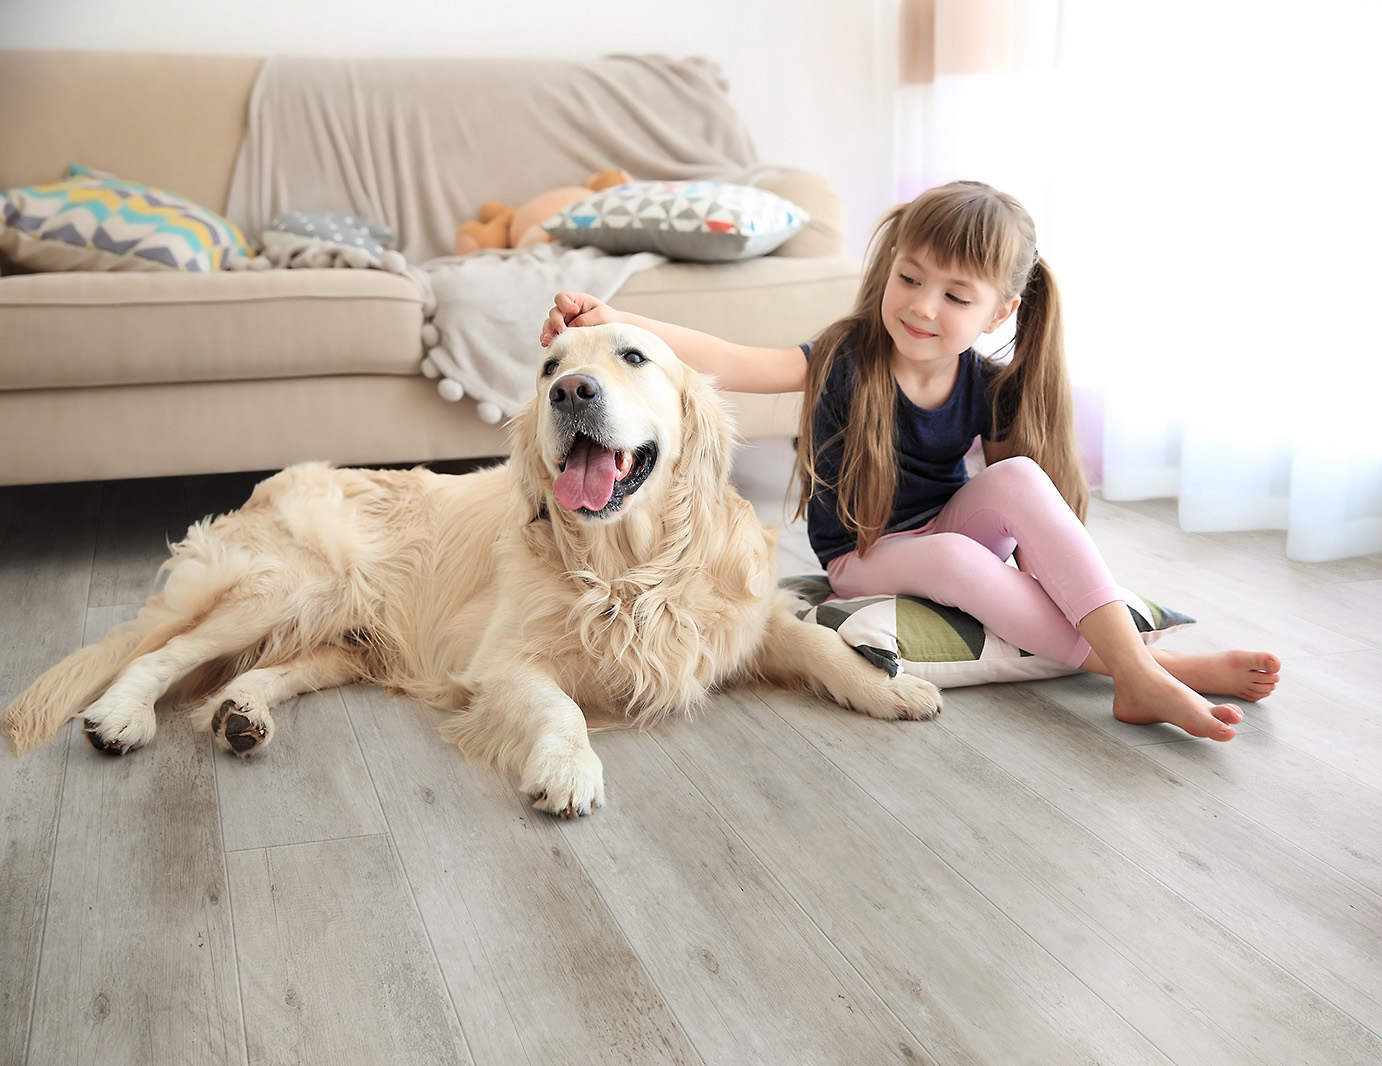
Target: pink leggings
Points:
(959, 559)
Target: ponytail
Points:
(1033, 391)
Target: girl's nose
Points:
(925, 307)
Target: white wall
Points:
(812, 77)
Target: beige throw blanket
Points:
(419, 144)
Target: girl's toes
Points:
(1227, 713)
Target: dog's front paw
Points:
(906, 698)
(116, 726)
(565, 779)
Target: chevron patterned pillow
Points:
(703, 221)
(941, 644)
(95, 221)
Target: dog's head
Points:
(619, 424)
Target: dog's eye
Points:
(633, 357)
(550, 367)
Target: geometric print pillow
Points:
(941, 644)
(94, 221)
(703, 221)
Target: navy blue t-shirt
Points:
(930, 450)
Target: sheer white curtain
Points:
(1204, 182)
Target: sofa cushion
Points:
(95, 221)
(216, 426)
(703, 221)
(88, 329)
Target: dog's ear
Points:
(708, 433)
(525, 457)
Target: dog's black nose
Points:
(575, 392)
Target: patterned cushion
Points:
(941, 644)
(94, 221)
(706, 221)
(292, 228)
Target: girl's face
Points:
(934, 314)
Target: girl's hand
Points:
(575, 309)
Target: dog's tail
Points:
(66, 689)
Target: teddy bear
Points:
(499, 225)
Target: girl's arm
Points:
(735, 367)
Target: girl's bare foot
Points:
(1244, 675)
(1160, 697)
(1152, 685)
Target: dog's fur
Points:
(482, 594)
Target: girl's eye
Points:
(633, 357)
(906, 280)
(957, 300)
(550, 367)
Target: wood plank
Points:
(1327, 813)
(1370, 594)
(536, 964)
(336, 965)
(45, 567)
(311, 783)
(969, 984)
(45, 572)
(1319, 926)
(1252, 603)
(1267, 547)
(138, 962)
(139, 519)
(750, 977)
(1326, 707)
(1152, 956)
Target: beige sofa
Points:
(117, 374)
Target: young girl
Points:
(895, 396)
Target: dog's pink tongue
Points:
(588, 480)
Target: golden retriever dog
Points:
(607, 568)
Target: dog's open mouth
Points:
(596, 479)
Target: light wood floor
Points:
(1024, 880)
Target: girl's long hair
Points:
(971, 227)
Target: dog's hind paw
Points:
(92, 732)
(115, 726)
(241, 727)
